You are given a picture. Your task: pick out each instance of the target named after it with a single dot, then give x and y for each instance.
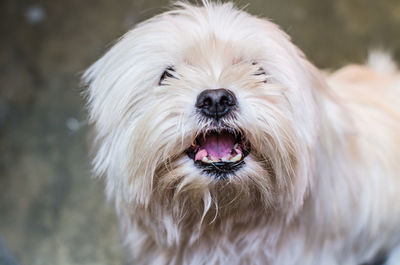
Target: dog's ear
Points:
(119, 91)
(113, 87)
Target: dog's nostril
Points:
(207, 102)
(226, 101)
(216, 103)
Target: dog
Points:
(220, 143)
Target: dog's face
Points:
(199, 109)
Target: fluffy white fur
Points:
(321, 184)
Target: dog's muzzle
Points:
(218, 151)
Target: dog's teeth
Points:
(225, 159)
(235, 146)
(206, 160)
(200, 154)
(236, 158)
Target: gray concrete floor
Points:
(51, 212)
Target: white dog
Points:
(221, 144)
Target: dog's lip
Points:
(222, 149)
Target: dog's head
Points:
(202, 108)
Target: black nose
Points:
(216, 103)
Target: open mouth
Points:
(219, 152)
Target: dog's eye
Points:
(168, 73)
(260, 72)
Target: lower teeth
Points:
(206, 160)
(236, 158)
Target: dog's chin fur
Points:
(321, 184)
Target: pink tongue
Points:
(218, 145)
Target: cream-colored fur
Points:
(321, 184)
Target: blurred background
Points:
(51, 211)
